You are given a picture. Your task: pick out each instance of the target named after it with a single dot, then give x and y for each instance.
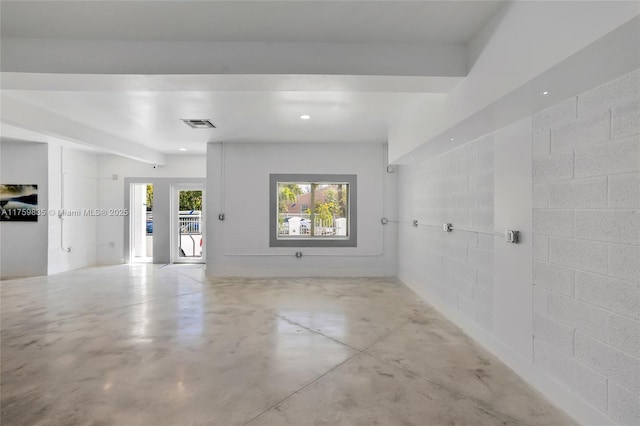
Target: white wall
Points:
(112, 247)
(586, 223)
(238, 186)
(567, 178)
(456, 267)
(72, 239)
(512, 291)
(23, 245)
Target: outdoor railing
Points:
(190, 222)
(300, 225)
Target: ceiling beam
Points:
(227, 83)
(34, 55)
(22, 121)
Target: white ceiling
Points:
(117, 76)
(354, 104)
(247, 21)
(152, 118)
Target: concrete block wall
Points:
(456, 187)
(586, 222)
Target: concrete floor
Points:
(150, 345)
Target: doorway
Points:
(141, 223)
(187, 224)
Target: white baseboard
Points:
(555, 391)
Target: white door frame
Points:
(175, 232)
(131, 234)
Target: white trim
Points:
(175, 190)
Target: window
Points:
(312, 210)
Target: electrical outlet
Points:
(512, 237)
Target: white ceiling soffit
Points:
(369, 22)
(615, 55)
(227, 83)
(174, 57)
(582, 44)
(46, 126)
(18, 134)
(370, 38)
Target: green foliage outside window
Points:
(191, 200)
(149, 197)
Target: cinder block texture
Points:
(621, 297)
(555, 334)
(456, 187)
(586, 245)
(554, 222)
(554, 278)
(540, 247)
(557, 115)
(483, 220)
(580, 316)
(481, 258)
(540, 299)
(485, 278)
(541, 141)
(617, 366)
(624, 334)
(583, 193)
(624, 190)
(588, 383)
(549, 169)
(483, 298)
(616, 92)
(619, 156)
(624, 262)
(579, 254)
(540, 196)
(585, 131)
(619, 226)
(625, 119)
(486, 242)
(623, 405)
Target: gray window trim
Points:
(351, 241)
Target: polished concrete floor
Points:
(151, 345)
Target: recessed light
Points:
(305, 117)
(545, 93)
(183, 149)
(452, 139)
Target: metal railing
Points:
(300, 225)
(190, 222)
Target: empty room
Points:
(319, 213)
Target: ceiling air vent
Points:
(199, 123)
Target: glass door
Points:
(188, 224)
